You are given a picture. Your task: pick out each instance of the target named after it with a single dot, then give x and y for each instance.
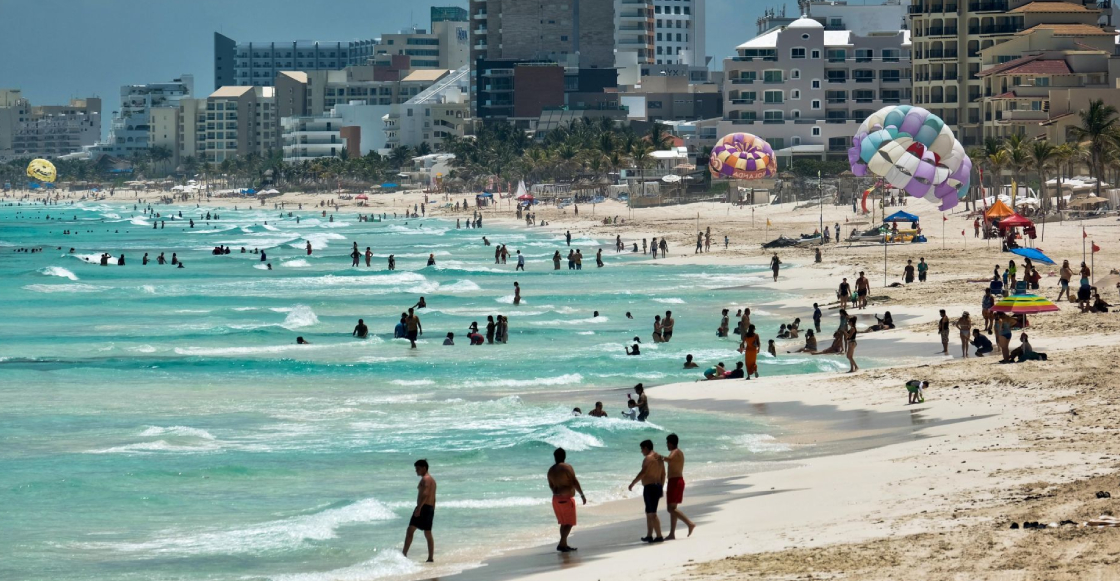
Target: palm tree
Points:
(1043, 154)
(1099, 127)
(640, 154)
(423, 148)
(1018, 160)
(659, 137)
(998, 161)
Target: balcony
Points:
(916, 8)
(864, 79)
(479, 16)
(773, 121)
(742, 81)
(742, 101)
(1001, 29)
(836, 101)
(838, 79)
(1021, 116)
(987, 6)
(742, 121)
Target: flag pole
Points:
(1092, 259)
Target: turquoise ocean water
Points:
(161, 423)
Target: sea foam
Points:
(58, 271)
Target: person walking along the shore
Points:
(943, 330)
(564, 485)
(652, 477)
(775, 265)
(425, 510)
(674, 493)
(750, 347)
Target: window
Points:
(890, 76)
(795, 74)
(816, 54)
(890, 55)
(863, 55)
(795, 94)
(816, 104)
(837, 144)
(1042, 81)
(796, 140)
(773, 116)
(797, 53)
(749, 76)
(816, 83)
(653, 105)
(777, 142)
(837, 55)
(772, 97)
(816, 132)
(772, 76)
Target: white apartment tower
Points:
(679, 33)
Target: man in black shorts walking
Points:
(425, 510)
(652, 477)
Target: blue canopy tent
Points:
(388, 186)
(486, 195)
(901, 216)
(1033, 254)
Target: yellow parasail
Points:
(41, 170)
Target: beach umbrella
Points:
(1024, 305)
(525, 197)
(1033, 254)
(361, 197)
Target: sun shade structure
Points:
(998, 210)
(901, 217)
(1025, 305)
(1014, 221)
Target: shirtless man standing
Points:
(564, 484)
(414, 328)
(425, 510)
(675, 491)
(863, 286)
(667, 327)
(652, 477)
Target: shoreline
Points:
(995, 435)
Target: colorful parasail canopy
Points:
(742, 156)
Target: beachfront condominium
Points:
(1036, 83)
(859, 19)
(46, 130)
(435, 114)
(231, 122)
(633, 33)
(954, 40)
(445, 46)
(679, 33)
(129, 132)
(258, 63)
(577, 31)
(806, 89)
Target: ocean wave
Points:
(318, 240)
(297, 263)
(184, 431)
(588, 321)
(568, 439)
(298, 316)
(758, 443)
(569, 378)
(138, 221)
(670, 301)
(459, 286)
(64, 288)
(485, 503)
(389, 563)
(412, 382)
(150, 289)
(58, 271)
(280, 534)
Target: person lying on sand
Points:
(887, 322)
(836, 347)
(810, 343)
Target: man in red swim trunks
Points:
(674, 494)
(564, 484)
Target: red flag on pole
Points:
(944, 219)
(1084, 234)
(1096, 248)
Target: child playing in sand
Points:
(915, 389)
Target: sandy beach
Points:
(992, 445)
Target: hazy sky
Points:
(55, 50)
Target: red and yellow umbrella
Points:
(1025, 305)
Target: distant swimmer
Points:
(516, 294)
(420, 304)
(450, 339)
(425, 510)
(392, 262)
(309, 248)
(431, 260)
(263, 257)
(360, 331)
(120, 261)
(369, 256)
(598, 412)
(674, 493)
(636, 349)
(301, 341)
(628, 315)
(689, 363)
(145, 259)
(652, 477)
(564, 485)
(520, 261)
